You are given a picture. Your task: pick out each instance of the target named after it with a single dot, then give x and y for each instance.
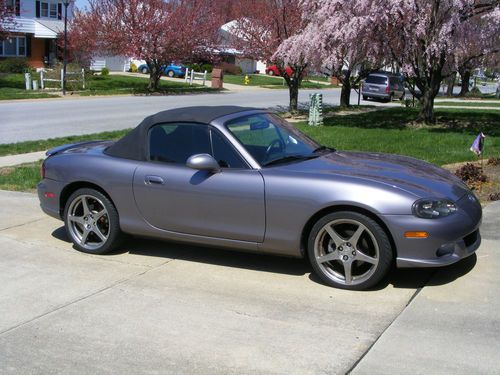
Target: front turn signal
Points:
(416, 234)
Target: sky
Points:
(81, 3)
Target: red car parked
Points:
(273, 70)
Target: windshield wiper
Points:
(323, 148)
(288, 158)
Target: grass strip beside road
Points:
(271, 82)
(42, 145)
(22, 177)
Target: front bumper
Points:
(450, 239)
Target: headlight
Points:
(433, 208)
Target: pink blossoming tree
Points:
(6, 18)
(420, 36)
(262, 26)
(156, 31)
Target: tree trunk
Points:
(345, 93)
(154, 76)
(465, 83)
(450, 84)
(293, 89)
(426, 114)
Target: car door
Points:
(170, 196)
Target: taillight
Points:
(388, 89)
(42, 170)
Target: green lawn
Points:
(390, 131)
(477, 103)
(268, 81)
(21, 178)
(12, 87)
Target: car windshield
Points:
(271, 140)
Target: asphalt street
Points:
(42, 119)
(161, 308)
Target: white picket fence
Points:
(33, 84)
(191, 76)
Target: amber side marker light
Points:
(416, 234)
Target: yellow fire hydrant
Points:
(246, 81)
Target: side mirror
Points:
(203, 162)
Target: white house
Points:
(232, 55)
(35, 30)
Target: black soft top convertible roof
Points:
(134, 144)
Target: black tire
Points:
(171, 74)
(365, 97)
(330, 265)
(145, 71)
(92, 222)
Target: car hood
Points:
(414, 176)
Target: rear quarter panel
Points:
(113, 175)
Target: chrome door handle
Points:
(153, 180)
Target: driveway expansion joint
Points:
(22, 224)
(412, 298)
(83, 298)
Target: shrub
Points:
(207, 67)
(14, 65)
(133, 68)
(105, 72)
(471, 175)
(494, 197)
(493, 161)
(474, 93)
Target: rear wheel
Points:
(91, 221)
(170, 73)
(270, 72)
(144, 70)
(349, 250)
(365, 97)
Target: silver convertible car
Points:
(245, 179)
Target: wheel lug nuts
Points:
(345, 257)
(341, 248)
(353, 253)
(348, 244)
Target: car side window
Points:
(224, 153)
(175, 143)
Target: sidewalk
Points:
(11, 160)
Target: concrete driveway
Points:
(160, 308)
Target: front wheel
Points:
(145, 70)
(270, 72)
(349, 250)
(171, 73)
(91, 221)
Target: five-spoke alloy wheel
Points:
(92, 221)
(349, 250)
